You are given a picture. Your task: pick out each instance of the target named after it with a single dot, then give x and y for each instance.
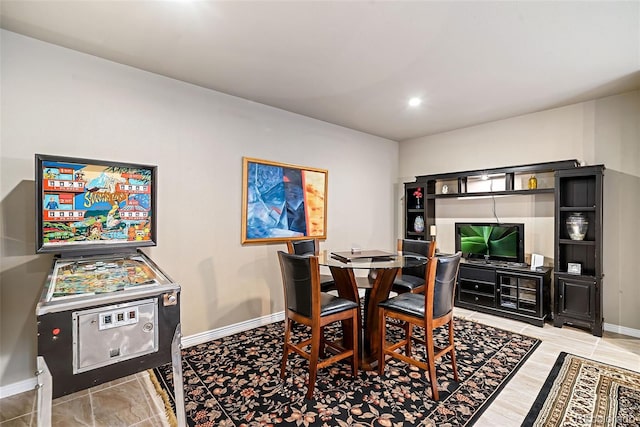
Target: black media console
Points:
(506, 289)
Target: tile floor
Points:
(129, 401)
(106, 405)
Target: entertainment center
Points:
(494, 277)
(506, 290)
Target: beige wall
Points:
(58, 101)
(603, 131)
(617, 145)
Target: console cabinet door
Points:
(520, 292)
(576, 298)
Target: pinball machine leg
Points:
(178, 387)
(45, 390)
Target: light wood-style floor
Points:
(131, 401)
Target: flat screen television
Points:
(93, 205)
(492, 241)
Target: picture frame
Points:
(282, 202)
(574, 268)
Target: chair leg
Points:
(355, 345)
(453, 351)
(285, 349)
(313, 361)
(432, 363)
(323, 352)
(382, 327)
(408, 332)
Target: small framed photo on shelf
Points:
(574, 268)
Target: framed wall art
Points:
(282, 202)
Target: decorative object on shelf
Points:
(577, 225)
(536, 261)
(432, 232)
(533, 182)
(418, 195)
(574, 268)
(418, 224)
(445, 189)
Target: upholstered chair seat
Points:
(413, 279)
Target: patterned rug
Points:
(235, 381)
(583, 392)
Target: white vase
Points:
(418, 224)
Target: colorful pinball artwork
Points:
(282, 202)
(90, 203)
(98, 277)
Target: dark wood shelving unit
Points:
(578, 297)
(461, 184)
(417, 207)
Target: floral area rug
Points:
(235, 381)
(583, 392)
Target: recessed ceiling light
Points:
(414, 102)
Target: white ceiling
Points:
(356, 63)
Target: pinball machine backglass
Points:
(106, 310)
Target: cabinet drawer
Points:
(477, 273)
(478, 299)
(478, 287)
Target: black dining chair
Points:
(306, 304)
(311, 247)
(412, 279)
(428, 311)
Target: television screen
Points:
(503, 242)
(93, 205)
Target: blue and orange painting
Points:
(284, 202)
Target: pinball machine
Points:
(106, 310)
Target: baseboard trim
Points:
(17, 388)
(609, 327)
(213, 334)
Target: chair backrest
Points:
(416, 247)
(303, 247)
(442, 274)
(300, 281)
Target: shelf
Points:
(535, 168)
(492, 193)
(415, 210)
(587, 277)
(576, 242)
(577, 209)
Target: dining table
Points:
(381, 268)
